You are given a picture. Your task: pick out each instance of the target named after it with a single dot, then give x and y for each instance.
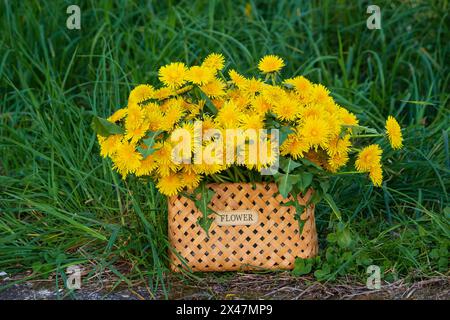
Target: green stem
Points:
(371, 135)
(184, 89)
(273, 77)
(348, 172)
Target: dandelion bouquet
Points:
(200, 126)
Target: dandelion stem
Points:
(371, 135)
(184, 89)
(347, 172)
(274, 81)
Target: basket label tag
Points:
(236, 218)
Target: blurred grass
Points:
(61, 204)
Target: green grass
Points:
(61, 204)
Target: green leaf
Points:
(299, 208)
(104, 127)
(312, 164)
(331, 238)
(284, 132)
(305, 181)
(285, 182)
(331, 256)
(288, 165)
(202, 205)
(363, 260)
(208, 101)
(325, 186)
(434, 254)
(302, 266)
(362, 129)
(344, 238)
(149, 143)
(316, 197)
(323, 273)
(329, 199)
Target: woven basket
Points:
(273, 242)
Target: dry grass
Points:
(279, 286)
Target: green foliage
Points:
(105, 128)
(149, 143)
(303, 266)
(286, 180)
(203, 204)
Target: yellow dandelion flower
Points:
(331, 107)
(347, 117)
(334, 123)
(148, 165)
(286, 109)
(256, 155)
(187, 133)
(136, 133)
(153, 116)
(337, 161)
(251, 121)
(228, 115)
(163, 93)
(270, 63)
(190, 179)
(320, 94)
(300, 84)
(212, 154)
(251, 87)
(376, 175)
(273, 94)
(236, 78)
(118, 115)
(135, 116)
(312, 110)
(170, 185)
(368, 158)
(212, 159)
(215, 61)
(109, 145)
(164, 158)
(394, 133)
(260, 105)
(172, 115)
(214, 88)
(126, 159)
(207, 123)
(339, 145)
(241, 100)
(173, 75)
(193, 111)
(316, 157)
(315, 132)
(218, 103)
(295, 146)
(269, 154)
(187, 105)
(135, 127)
(208, 169)
(200, 75)
(141, 93)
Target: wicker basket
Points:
(272, 242)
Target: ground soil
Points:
(234, 286)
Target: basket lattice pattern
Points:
(272, 243)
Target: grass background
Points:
(61, 204)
